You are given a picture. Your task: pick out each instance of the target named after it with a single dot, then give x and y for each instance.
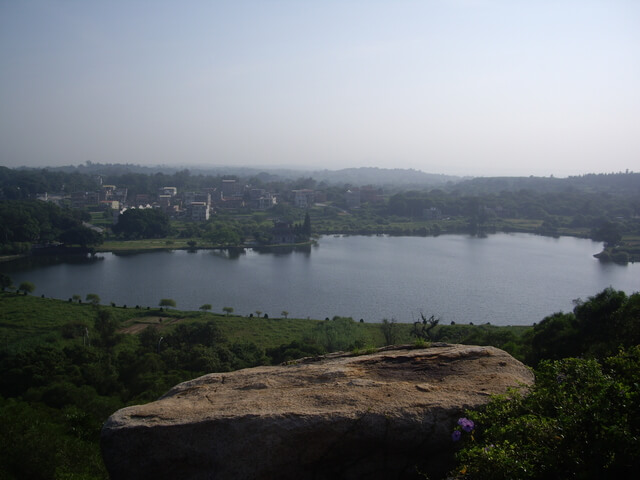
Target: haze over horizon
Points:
(458, 87)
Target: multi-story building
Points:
(231, 188)
(352, 197)
(303, 198)
(171, 191)
(190, 197)
(199, 211)
(370, 194)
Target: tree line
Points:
(25, 222)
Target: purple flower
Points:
(455, 436)
(466, 424)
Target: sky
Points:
(459, 87)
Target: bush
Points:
(578, 421)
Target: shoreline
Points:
(627, 252)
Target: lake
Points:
(504, 279)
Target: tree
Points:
(106, 327)
(26, 287)
(306, 226)
(224, 235)
(93, 299)
(205, 307)
(81, 235)
(142, 223)
(390, 331)
(227, 310)
(607, 232)
(340, 333)
(284, 313)
(5, 281)
(423, 329)
(167, 302)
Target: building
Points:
(171, 191)
(190, 197)
(432, 213)
(142, 199)
(119, 194)
(370, 194)
(352, 197)
(106, 191)
(303, 198)
(84, 199)
(199, 211)
(260, 199)
(283, 233)
(231, 188)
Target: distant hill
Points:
(383, 177)
(399, 179)
(627, 183)
(353, 176)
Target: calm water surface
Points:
(505, 279)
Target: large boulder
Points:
(386, 415)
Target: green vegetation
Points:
(578, 421)
(167, 302)
(27, 222)
(93, 299)
(67, 366)
(142, 223)
(26, 287)
(5, 281)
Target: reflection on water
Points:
(280, 250)
(228, 253)
(30, 263)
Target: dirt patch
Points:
(137, 325)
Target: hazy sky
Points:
(493, 87)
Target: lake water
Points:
(505, 279)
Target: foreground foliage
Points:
(67, 365)
(579, 420)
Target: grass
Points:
(28, 321)
(148, 244)
(99, 220)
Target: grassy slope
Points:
(26, 321)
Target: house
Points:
(199, 211)
(106, 191)
(432, 213)
(171, 191)
(142, 199)
(303, 198)
(231, 188)
(190, 197)
(283, 232)
(352, 197)
(260, 199)
(370, 194)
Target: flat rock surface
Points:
(339, 416)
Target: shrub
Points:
(578, 421)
